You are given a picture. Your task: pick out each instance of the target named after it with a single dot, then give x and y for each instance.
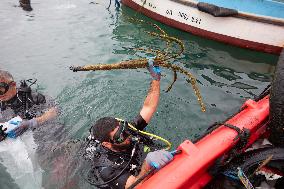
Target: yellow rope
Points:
(169, 145)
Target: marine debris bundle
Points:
(162, 58)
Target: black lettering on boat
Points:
(196, 20)
(183, 15)
(170, 12)
(152, 6)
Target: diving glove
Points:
(155, 71)
(159, 158)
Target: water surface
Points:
(43, 44)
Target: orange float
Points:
(189, 170)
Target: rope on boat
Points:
(243, 178)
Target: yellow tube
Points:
(169, 145)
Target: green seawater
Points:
(43, 44)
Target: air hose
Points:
(169, 145)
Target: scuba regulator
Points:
(127, 130)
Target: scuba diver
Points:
(116, 150)
(19, 99)
(22, 110)
(22, 102)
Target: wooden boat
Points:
(254, 24)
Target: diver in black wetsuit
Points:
(117, 161)
(23, 102)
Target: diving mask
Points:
(5, 87)
(122, 133)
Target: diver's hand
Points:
(24, 125)
(155, 71)
(49, 115)
(159, 158)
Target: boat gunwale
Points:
(241, 15)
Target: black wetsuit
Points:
(25, 108)
(46, 136)
(107, 164)
(14, 107)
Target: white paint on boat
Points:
(236, 26)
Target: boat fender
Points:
(216, 10)
(276, 109)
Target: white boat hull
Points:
(244, 30)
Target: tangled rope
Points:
(161, 59)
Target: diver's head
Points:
(106, 131)
(7, 86)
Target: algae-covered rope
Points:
(143, 63)
(161, 59)
(169, 39)
(162, 35)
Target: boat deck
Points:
(260, 7)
